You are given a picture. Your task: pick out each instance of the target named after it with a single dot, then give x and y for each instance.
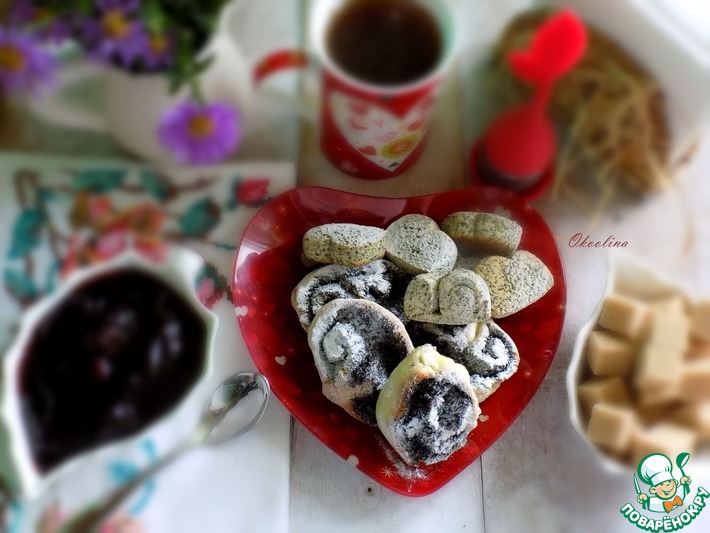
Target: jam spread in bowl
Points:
(118, 350)
(114, 356)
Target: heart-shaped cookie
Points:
(417, 245)
(485, 232)
(344, 244)
(455, 298)
(514, 283)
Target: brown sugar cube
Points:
(674, 305)
(695, 380)
(608, 390)
(698, 350)
(666, 438)
(696, 416)
(609, 354)
(612, 426)
(672, 331)
(658, 367)
(625, 316)
(700, 320)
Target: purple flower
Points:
(127, 6)
(157, 51)
(22, 12)
(40, 21)
(200, 134)
(24, 65)
(115, 35)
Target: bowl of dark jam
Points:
(117, 351)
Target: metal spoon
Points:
(208, 432)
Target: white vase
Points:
(133, 103)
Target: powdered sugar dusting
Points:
(403, 470)
(379, 281)
(439, 417)
(487, 352)
(342, 341)
(356, 344)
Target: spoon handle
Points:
(90, 520)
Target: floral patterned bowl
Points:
(178, 268)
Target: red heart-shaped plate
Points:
(270, 263)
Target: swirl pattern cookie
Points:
(458, 297)
(381, 282)
(487, 352)
(356, 345)
(427, 408)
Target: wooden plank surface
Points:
(329, 495)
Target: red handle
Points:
(278, 61)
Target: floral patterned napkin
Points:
(57, 215)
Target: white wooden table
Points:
(539, 476)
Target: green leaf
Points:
(26, 232)
(226, 246)
(155, 184)
(123, 471)
(175, 81)
(99, 180)
(200, 218)
(153, 16)
(232, 201)
(45, 195)
(50, 281)
(203, 65)
(19, 285)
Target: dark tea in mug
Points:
(385, 42)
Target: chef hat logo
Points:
(655, 469)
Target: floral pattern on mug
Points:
(400, 147)
(378, 135)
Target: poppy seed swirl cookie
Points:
(356, 345)
(427, 408)
(487, 352)
(381, 282)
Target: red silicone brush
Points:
(518, 148)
